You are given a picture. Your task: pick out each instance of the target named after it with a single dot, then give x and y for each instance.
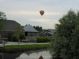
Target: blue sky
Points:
(27, 11)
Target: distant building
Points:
(30, 32)
(51, 31)
(9, 27)
(47, 32)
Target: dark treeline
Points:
(38, 28)
(65, 43)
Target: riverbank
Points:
(22, 48)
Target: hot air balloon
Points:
(41, 12)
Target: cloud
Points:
(34, 18)
(2, 0)
(27, 11)
(33, 13)
(46, 23)
(42, 21)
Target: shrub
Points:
(66, 37)
(42, 39)
(24, 48)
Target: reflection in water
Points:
(26, 55)
(9, 55)
(0, 56)
(35, 55)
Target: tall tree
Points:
(38, 28)
(18, 34)
(65, 44)
(2, 18)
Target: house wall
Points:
(31, 36)
(5, 34)
(31, 33)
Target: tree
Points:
(65, 44)
(2, 18)
(18, 34)
(38, 28)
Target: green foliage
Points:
(38, 28)
(66, 37)
(27, 47)
(2, 18)
(17, 35)
(42, 39)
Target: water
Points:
(26, 55)
(35, 55)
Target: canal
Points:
(26, 55)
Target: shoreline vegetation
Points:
(23, 48)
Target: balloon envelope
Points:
(41, 12)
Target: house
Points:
(9, 27)
(47, 32)
(30, 32)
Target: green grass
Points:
(22, 48)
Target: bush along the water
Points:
(65, 44)
(22, 48)
(42, 39)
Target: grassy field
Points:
(22, 48)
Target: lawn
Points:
(22, 48)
